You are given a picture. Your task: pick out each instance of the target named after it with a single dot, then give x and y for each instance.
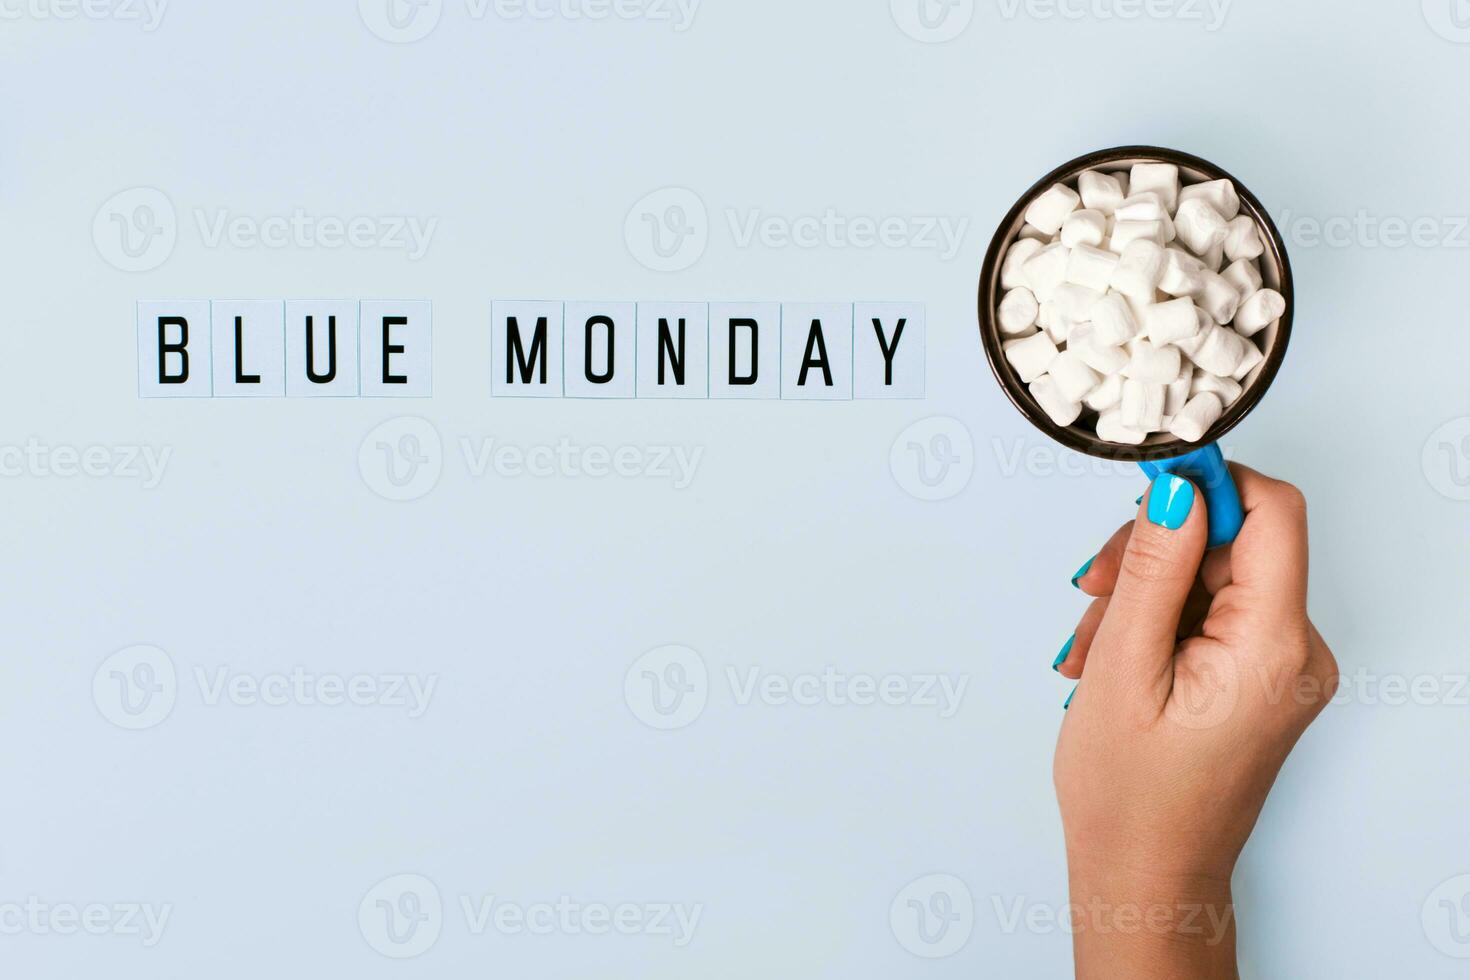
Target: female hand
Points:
(1199, 672)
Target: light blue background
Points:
(796, 547)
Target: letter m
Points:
(516, 356)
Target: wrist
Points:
(1144, 923)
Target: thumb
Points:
(1135, 643)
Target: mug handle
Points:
(1207, 470)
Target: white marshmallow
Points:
(1091, 267)
(1106, 395)
(1228, 389)
(1017, 255)
(1113, 322)
(1031, 356)
(1086, 227)
(1046, 270)
(1142, 207)
(1029, 234)
(1148, 207)
(1244, 276)
(1181, 275)
(1220, 194)
(1168, 323)
(1121, 177)
(1017, 313)
(1100, 192)
(1243, 240)
(1105, 360)
(1152, 364)
(1160, 177)
(1125, 232)
(1074, 303)
(1139, 308)
(1073, 378)
(1052, 323)
(1217, 297)
(1110, 428)
(1176, 392)
(1195, 419)
(1259, 311)
(1050, 210)
(1188, 345)
(1139, 269)
(1221, 351)
(1048, 395)
(1214, 258)
(1142, 406)
(1200, 226)
(1253, 356)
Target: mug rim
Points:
(1016, 390)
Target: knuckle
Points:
(1327, 669)
(1290, 499)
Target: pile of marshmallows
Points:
(1118, 299)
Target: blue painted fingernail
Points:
(1170, 500)
(1086, 566)
(1068, 703)
(1139, 500)
(1066, 649)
